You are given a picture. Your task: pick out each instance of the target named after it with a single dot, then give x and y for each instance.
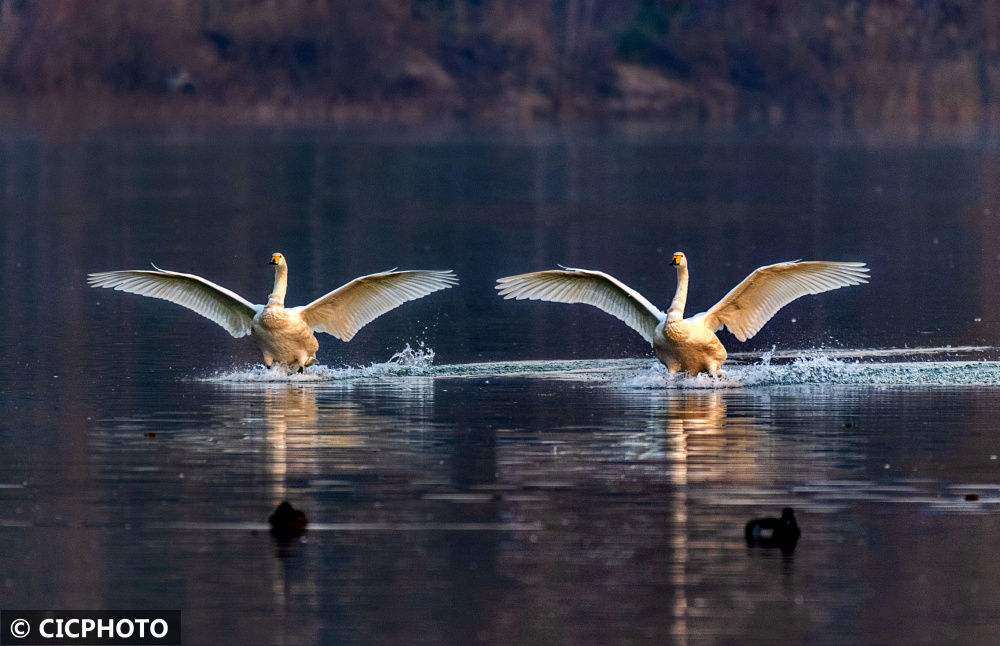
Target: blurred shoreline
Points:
(62, 117)
(904, 71)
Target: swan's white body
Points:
(283, 335)
(689, 344)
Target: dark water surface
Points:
(518, 472)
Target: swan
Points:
(283, 336)
(688, 344)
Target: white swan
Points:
(688, 344)
(282, 335)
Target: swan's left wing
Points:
(596, 288)
(349, 308)
(228, 309)
(752, 303)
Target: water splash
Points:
(409, 361)
(816, 368)
(657, 377)
(923, 367)
(420, 359)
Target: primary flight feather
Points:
(283, 335)
(690, 344)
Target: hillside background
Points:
(904, 65)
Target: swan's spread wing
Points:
(228, 309)
(584, 286)
(752, 303)
(347, 309)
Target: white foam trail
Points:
(900, 367)
(815, 368)
(864, 353)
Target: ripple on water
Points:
(831, 496)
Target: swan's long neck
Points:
(277, 296)
(676, 311)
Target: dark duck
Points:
(287, 522)
(781, 532)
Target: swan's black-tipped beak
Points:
(275, 260)
(676, 261)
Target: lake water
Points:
(483, 471)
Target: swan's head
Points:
(277, 259)
(680, 260)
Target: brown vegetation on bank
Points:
(840, 63)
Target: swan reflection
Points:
(315, 435)
(695, 432)
(700, 441)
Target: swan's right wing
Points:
(228, 309)
(595, 288)
(752, 303)
(350, 307)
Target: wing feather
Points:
(350, 307)
(595, 288)
(753, 302)
(218, 304)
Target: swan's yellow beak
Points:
(677, 260)
(276, 259)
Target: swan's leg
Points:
(304, 360)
